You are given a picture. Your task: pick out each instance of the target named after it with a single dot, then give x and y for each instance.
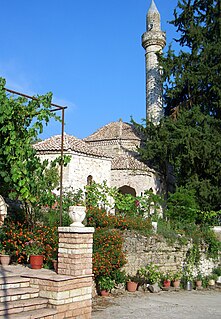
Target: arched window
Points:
(89, 179)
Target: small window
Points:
(89, 180)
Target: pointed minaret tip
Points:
(153, 7)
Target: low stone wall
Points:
(71, 297)
(141, 250)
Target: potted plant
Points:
(132, 283)
(188, 279)
(105, 284)
(176, 277)
(212, 279)
(34, 252)
(198, 280)
(153, 274)
(4, 256)
(166, 278)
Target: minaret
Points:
(153, 40)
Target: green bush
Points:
(182, 205)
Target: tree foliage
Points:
(22, 175)
(186, 146)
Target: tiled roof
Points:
(113, 131)
(71, 143)
(123, 162)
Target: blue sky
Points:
(87, 53)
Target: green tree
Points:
(186, 146)
(22, 175)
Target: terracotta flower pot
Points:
(5, 260)
(166, 283)
(36, 261)
(176, 283)
(104, 293)
(132, 286)
(198, 283)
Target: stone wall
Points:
(141, 250)
(80, 167)
(139, 180)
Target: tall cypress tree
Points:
(188, 139)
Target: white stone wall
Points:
(138, 180)
(80, 167)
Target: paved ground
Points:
(173, 305)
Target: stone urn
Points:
(5, 259)
(77, 215)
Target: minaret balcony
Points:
(154, 38)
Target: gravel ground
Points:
(174, 305)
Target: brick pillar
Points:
(75, 251)
(75, 261)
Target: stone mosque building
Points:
(110, 154)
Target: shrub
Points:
(107, 255)
(182, 205)
(149, 274)
(119, 276)
(99, 218)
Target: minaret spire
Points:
(153, 41)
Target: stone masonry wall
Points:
(141, 250)
(140, 181)
(80, 167)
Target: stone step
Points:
(18, 294)
(13, 282)
(17, 306)
(44, 313)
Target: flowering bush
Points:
(107, 255)
(99, 218)
(14, 237)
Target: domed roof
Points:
(114, 131)
(71, 143)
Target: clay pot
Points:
(176, 283)
(166, 283)
(132, 286)
(36, 261)
(104, 293)
(5, 260)
(198, 283)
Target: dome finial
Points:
(153, 7)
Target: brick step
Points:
(18, 293)
(13, 282)
(17, 306)
(43, 313)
